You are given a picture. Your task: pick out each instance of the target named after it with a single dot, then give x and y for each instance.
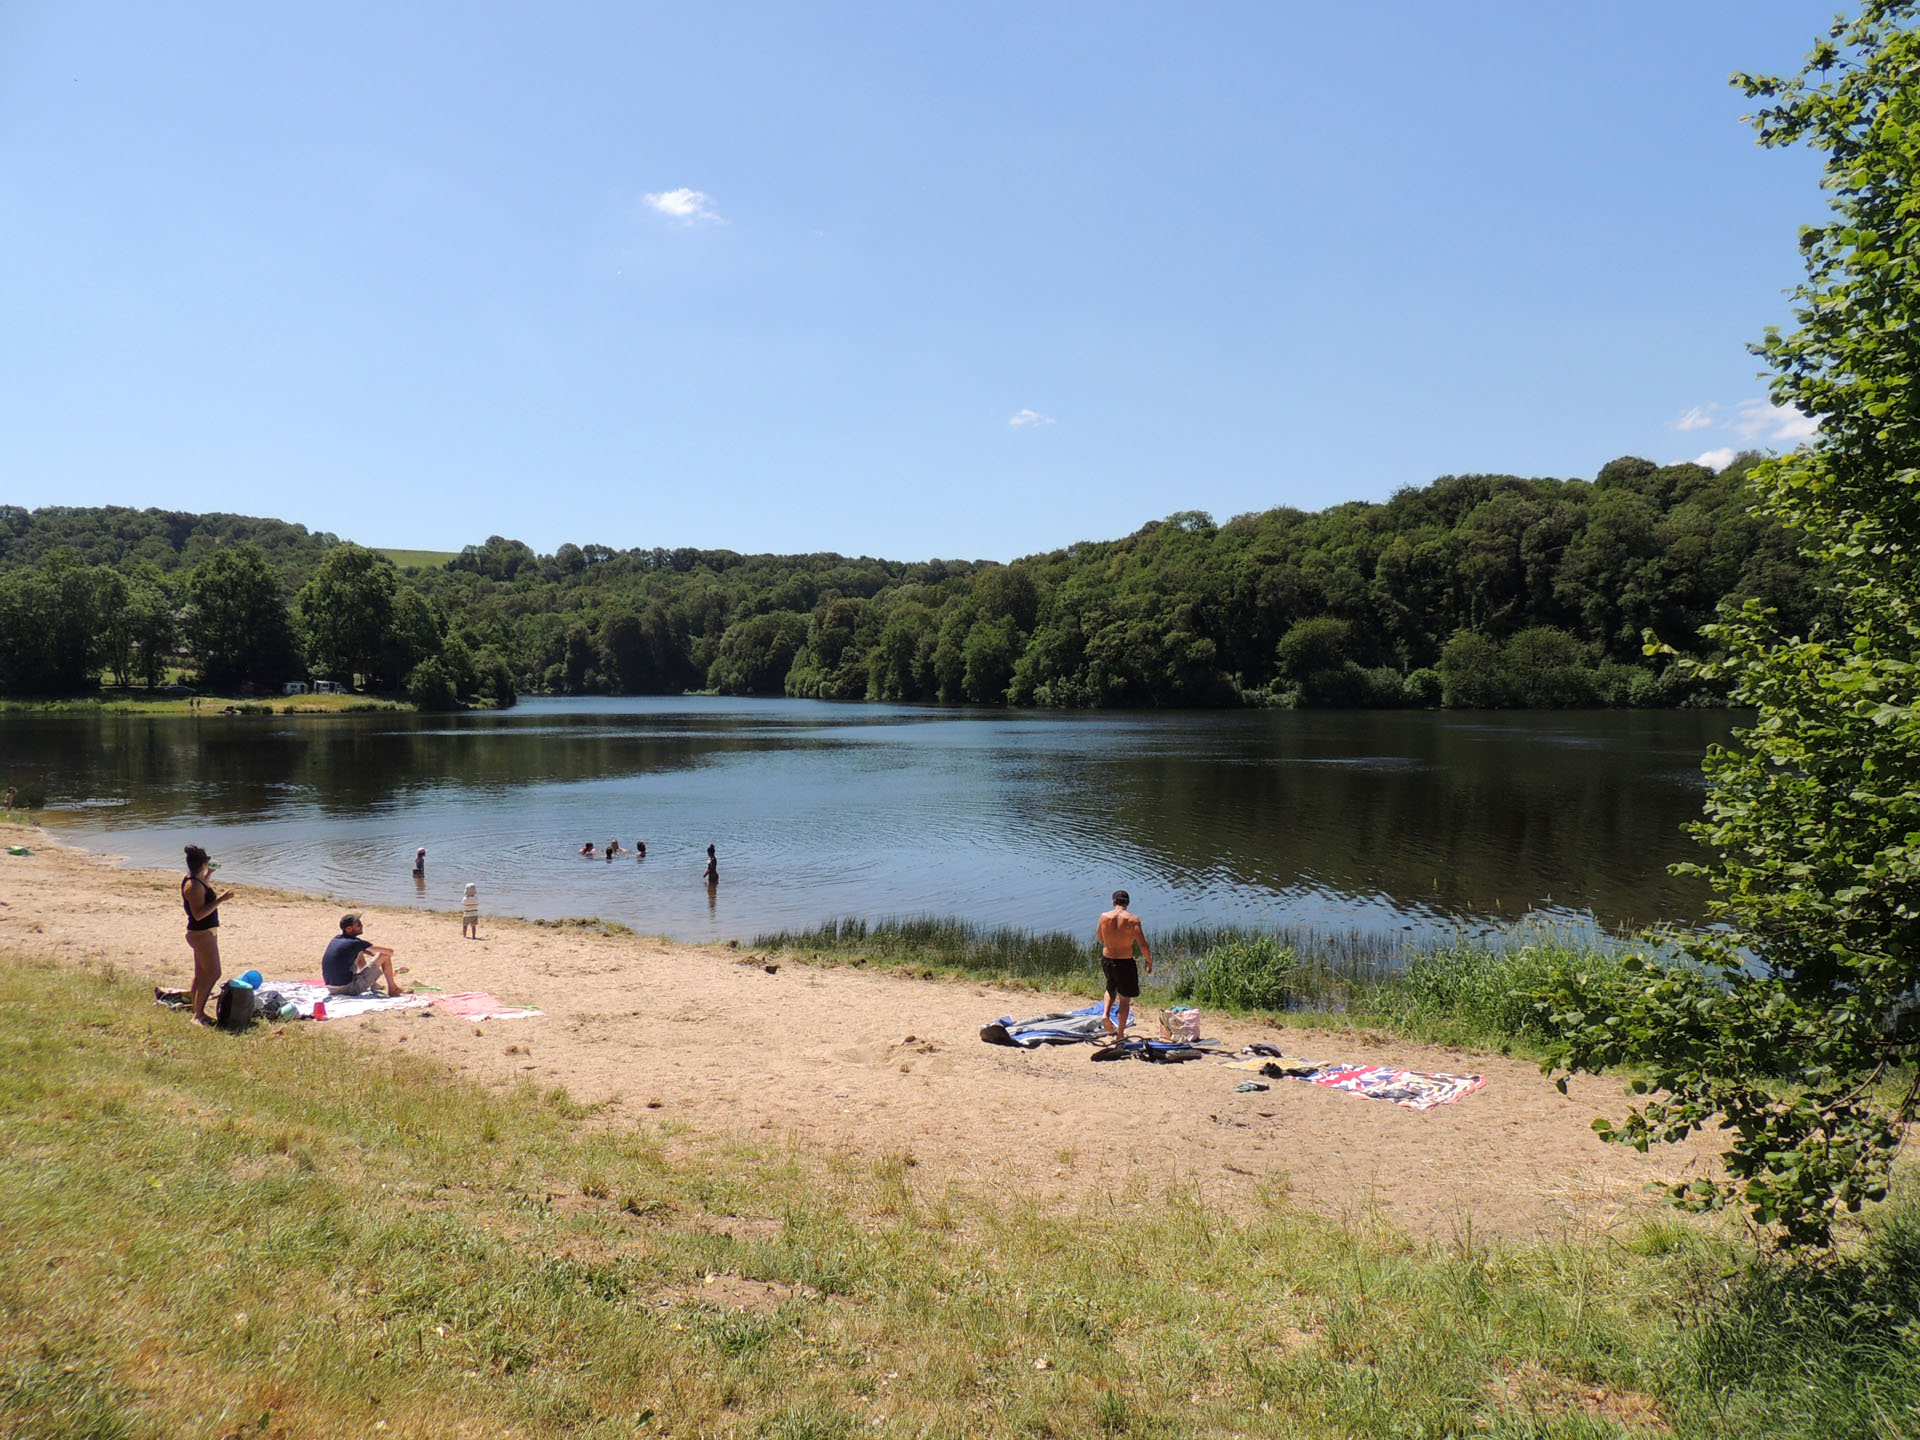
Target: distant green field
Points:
(425, 559)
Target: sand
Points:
(726, 1042)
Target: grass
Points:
(138, 703)
(1465, 990)
(419, 559)
(280, 1234)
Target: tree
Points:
(493, 677)
(414, 636)
(832, 665)
(1808, 1001)
(237, 623)
(900, 666)
(346, 611)
(430, 686)
(1543, 668)
(988, 655)
(28, 665)
(114, 637)
(579, 670)
(1313, 655)
(1470, 673)
(755, 654)
(151, 621)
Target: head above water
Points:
(1122, 899)
(196, 857)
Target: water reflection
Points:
(1380, 819)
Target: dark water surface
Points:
(1370, 819)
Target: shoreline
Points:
(875, 1063)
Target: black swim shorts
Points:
(1123, 976)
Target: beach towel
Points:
(1278, 1065)
(1069, 1027)
(1410, 1088)
(1058, 1027)
(479, 1005)
(303, 995)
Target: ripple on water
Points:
(821, 811)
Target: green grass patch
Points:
(419, 559)
(288, 1233)
(136, 702)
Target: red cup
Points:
(319, 1009)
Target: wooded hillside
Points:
(1474, 590)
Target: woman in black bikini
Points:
(203, 929)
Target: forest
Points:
(1473, 591)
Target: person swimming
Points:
(588, 850)
(613, 849)
(639, 849)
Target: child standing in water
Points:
(470, 914)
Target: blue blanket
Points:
(1058, 1027)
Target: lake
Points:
(1380, 820)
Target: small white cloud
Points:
(1700, 417)
(686, 206)
(1762, 420)
(1028, 419)
(1717, 459)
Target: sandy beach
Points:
(730, 1042)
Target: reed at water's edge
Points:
(1472, 989)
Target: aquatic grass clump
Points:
(1467, 992)
(1244, 973)
(1480, 989)
(1301, 969)
(1001, 952)
(1326, 966)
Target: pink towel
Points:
(478, 1005)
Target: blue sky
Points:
(970, 280)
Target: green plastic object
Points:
(18, 850)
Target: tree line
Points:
(1477, 590)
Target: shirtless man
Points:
(1120, 932)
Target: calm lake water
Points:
(1375, 819)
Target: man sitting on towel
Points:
(352, 965)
